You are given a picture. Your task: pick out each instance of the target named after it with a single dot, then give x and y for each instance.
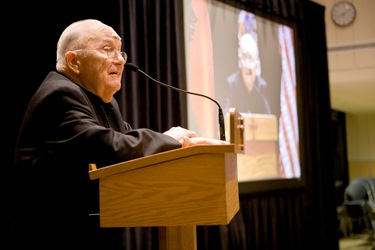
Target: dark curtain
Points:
(290, 218)
(153, 39)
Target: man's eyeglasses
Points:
(111, 53)
(247, 60)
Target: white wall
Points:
(351, 58)
(360, 130)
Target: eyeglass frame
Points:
(110, 50)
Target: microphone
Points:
(135, 68)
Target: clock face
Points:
(343, 13)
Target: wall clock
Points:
(343, 13)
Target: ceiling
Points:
(353, 97)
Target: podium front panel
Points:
(200, 189)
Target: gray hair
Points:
(72, 38)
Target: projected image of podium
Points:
(259, 141)
(175, 191)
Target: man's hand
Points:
(189, 138)
(178, 133)
(188, 142)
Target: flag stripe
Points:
(288, 126)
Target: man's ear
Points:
(72, 61)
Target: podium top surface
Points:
(158, 158)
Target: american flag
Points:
(289, 160)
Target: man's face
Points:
(248, 60)
(249, 67)
(101, 66)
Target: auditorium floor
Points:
(360, 241)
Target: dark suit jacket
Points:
(244, 101)
(66, 128)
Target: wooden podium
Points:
(174, 190)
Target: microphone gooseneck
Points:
(135, 68)
(132, 67)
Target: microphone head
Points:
(132, 67)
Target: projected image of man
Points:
(245, 86)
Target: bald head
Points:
(248, 53)
(76, 36)
(89, 54)
(248, 45)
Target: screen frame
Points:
(276, 184)
(265, 185)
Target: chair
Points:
(359, 214)
(356, 208)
